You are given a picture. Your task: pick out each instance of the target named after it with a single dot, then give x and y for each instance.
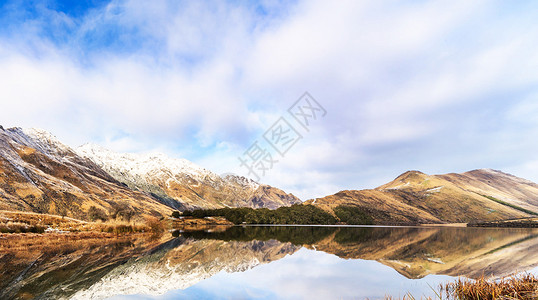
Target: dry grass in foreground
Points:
(523, 286)
(14, 222)
(24, 222)
(517, 286)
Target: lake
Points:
(262, 262)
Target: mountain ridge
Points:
(38, 173)
(416, 197)
(184, 185)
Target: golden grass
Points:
(23, 222)
(193, 222)
(522, 286)
(26, 222)
(17, 227)
(517, 286)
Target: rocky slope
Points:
(182, 184)
(40, 174)
(415, 197)
(505, 187)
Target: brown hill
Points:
(40, 174)
(182, 184)
(415, 197)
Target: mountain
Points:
(182, 184)
(505, 187)
(415, 197)
(40, 174)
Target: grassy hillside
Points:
(49, 178)
(418, 198)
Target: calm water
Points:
(267, 263)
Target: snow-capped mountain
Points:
(40, 174)
(142, 164)
(182, 184)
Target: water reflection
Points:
(184, 265)
(57, 266)
(413, 252)
(191, 263)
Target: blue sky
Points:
(438, 86)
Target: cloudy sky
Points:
(438, 86)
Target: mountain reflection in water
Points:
(98, 268)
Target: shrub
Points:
(119, 229)
(95, 214)
(122, 212)
(295, 214)
(20, 227)
(175, 214)
(352, 215)
(155, 226)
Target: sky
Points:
(435, 86)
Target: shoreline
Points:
(18, 222)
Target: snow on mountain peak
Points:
(142, 164)
(39, 139)
(241, 180)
